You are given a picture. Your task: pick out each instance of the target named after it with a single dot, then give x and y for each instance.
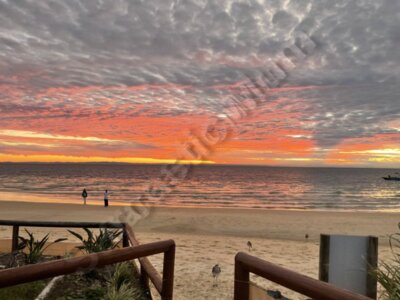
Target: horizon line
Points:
(197, 164)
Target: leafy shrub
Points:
(93, 294)
(35, 248)
(88, 294)
(125, 291)
(124, 283)
(24, 291)
(105, 240)
(123, 274)
(388, 275)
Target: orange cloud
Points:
(147, 123)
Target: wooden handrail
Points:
(50, 269)
(61, 224)
(17, 224)
(164, 285)
(318, 290)
(146, 265)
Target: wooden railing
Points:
(163, 285)
(16, 224)
(317, 290)
(147, 270)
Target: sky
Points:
(127, 81)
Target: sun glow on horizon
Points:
(280, 149)
(81, 159)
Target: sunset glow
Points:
(123, 92)
(280, 133)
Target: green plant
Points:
(388, 275)
(125, 291)
(123, 274)
(35, 248)
(26, 291)
(124, 283)
(105, 240)
(93, 294)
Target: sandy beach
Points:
(205, 237)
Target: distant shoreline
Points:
(99, 203)
(197, 165)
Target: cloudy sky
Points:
(119, 80)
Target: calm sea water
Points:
(207, 186)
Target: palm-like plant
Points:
(388, 275)
(105, 240)
(35, 248)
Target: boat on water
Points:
(393, 178)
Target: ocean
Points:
(333, 189)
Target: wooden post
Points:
(372, 260)
(242, 281)
(342, 245)
(168, 274)
(144, 277)
(15, 234)
(125, 239)
(324, 257)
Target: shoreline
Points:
(119, 204)
(99, 203)
(238, 222)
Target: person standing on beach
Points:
(106, 198)
(84, 196)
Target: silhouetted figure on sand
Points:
(106, 198)
(84, 196)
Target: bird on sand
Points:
(250, 245)
(216, 270)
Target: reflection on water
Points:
(207, 186)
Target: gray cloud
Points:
(132, 42)
(197, 44)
